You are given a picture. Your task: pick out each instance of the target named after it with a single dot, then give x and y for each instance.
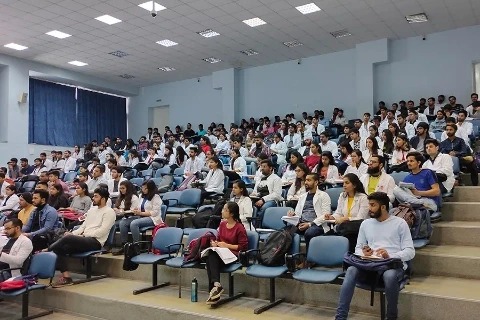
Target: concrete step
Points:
(426, 298)
(113, 299)
(457, 233)
(11, 310)
(466, 179)
(465, 194)
(461, 211)
(445, 261)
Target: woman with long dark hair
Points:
(297, 188)
(215, 180)
(315, 156)
(57, 199)
(344, 158)
(399, 157)
(375, 134)
(232, 236)
(181, 157)
(289, 175)
(358, 166)
(327, 169)
(134, 158)
(205, 144)
(372, 148)
(81, 202)
(240, 197)
(388, 142)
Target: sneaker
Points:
(215, 294)
(62, 282)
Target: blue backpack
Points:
(422, 228)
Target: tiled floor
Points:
(10, 311)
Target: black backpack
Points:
(166, 184)
(210, 217)
(130, 251)
(275, 248)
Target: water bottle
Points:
(194, 290)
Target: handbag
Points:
(349, 228)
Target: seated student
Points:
(278, 149)
(193, 164)
(41, 186)
(315, 156)
(91, 235)
(231, 235)
(399, 157)
(258, 174)
(147, 213)
(344, 158)
(327, 169)
(327, 145)
(240, 197)
(17, 249)
(114, 182)
(81, 202)
(258, 147)
(441, 164)
(298, 188)
(54, 178)
(456, 147)
(426, 190)
(358, 165)
(305, 150)
(384, 236)
(97, 178)
(352, 203)
(57, 198)
(289, 176)
(25, 203)
(10, 201)
(238, 166)
(459, 132)
(376, 179)
(372, 148)
(356, 142)
(223, 146)
(43, 219)
(266, 191)
(3, 185)
(311, 209)
(214, 183)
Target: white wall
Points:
(442, 64)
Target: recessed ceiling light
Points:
(208, 33)
(415, 18)
(308, 8)
(249, 52)
(293, 43)
(167, 43)
(15, 46)
(211, 60)
(167, 69)
(341, 33)
(58, 34)
(126, 76)
(118, 53)
(149, 6)
(254, 22)
(78, 63)
(108, 19)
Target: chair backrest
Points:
(163, 212)
(456, 165)
(146, 174)
(272, 219)
(249, 170)
(29, 186)
(137, 181)
(226, 181)
(18, 184)
(43, 264)
(399, 176)
(320, 250)
(205, 207)
(253, 239)
(179, 171)
(69, 176)
(172, 195)
(334, 194)
(165, 237)
(190, 197)
(111, 237)
(196, 233)
(162, 171)
(157, 181)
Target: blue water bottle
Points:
(194, 290)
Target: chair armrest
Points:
(168, 202)
(181, 249)
(243, 257)
(149, 244)
(290, 260)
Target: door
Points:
(160, 118)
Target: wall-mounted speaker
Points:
(22, 98)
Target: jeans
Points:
(405, 195)
(214, 264)
(261, 211)
(310, 233)
(391, 279)
(252, 162)
(134, 224)
(73, 244)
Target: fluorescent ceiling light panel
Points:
(58, 34)
(416, 18)
(15, 46)
(167, 69)
(341, 33)
(108, 19)
(118, 53)
(254, 22)
(208, 33)
(249, 52)
(211, 60)
(293, 43)
(78, 63)
(167, 43)
(126, 76)
(149, 5)
(308, 8)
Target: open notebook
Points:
(225, 254)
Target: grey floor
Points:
(10, 311)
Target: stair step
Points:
(465, 194)
(461, 233)
(461, 211)
(445, 261)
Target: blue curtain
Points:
(52, 114)
(100, 115)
